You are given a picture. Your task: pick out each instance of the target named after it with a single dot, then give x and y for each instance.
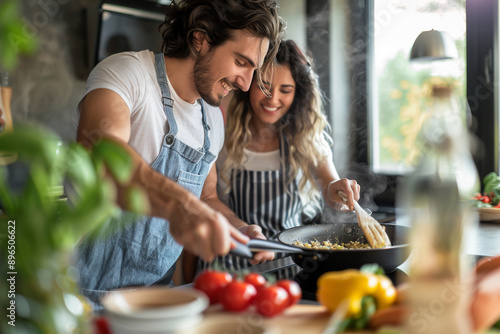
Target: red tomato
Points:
(293, 290)
(101, 326)
(271, 300)
(237, 296)
(257, 280)
(211, 282)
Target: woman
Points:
(276, 166)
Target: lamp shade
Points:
(433, 45)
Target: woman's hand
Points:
(350, 187)
(255, 232)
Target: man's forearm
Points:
(162, 192)
(217, 205)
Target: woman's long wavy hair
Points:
(217, 19)
(304, 127)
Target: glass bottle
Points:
(436, 202)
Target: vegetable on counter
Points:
(293, 290)
(490, 197)
(271, 300)
(237, 294)
(256, 279)
(211, 282)
(366, 290)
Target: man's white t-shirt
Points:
(132, 75)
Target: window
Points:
(399, 91)
(372, 79)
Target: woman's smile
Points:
(270, 110)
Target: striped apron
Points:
(262, 198)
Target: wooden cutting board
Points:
(298, 319)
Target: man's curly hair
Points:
(217, 19)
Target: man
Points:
(163, 110)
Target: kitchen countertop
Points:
(310, 317)
(487, 240)
(298, 319)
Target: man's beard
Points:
(203, 80)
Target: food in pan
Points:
(328, 245)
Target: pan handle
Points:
(273, 246)
(258, 245)
(241, 250)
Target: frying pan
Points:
(389, 258)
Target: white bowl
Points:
(154, 310)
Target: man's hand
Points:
(255, 232)
(202, 230)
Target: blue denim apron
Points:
(132, 250)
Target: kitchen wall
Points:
(48, 85)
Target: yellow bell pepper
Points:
(352, 285)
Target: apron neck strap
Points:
(168, 102)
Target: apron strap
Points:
(168, 102)
(206, 127)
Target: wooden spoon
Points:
(374, 232)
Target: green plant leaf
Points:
(46, 226)
(8, 58)
(137, 201)
(94, 207)
(5, 194)
(492, 176)
(117, 160)
(492, 183)
(17, 39)
(14, 41)
(372, 268)
(8, 11)
(34, 144)
(80, 168)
